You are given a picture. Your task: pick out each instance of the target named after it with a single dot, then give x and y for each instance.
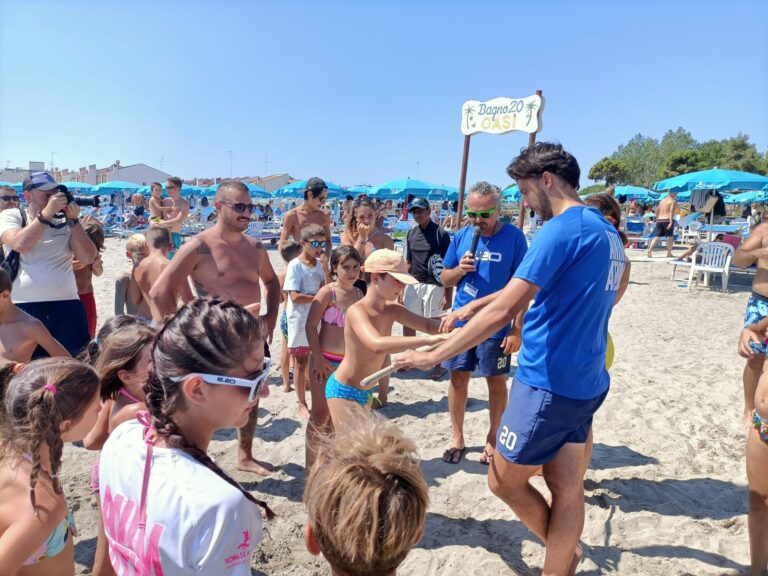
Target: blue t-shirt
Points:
(577, 261)
(498, 257)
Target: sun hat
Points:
(385, 261)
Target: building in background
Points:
(136, 173)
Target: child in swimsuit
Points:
(289, 250)
(45, 403)
(366, 489)
(329, 310)
(122, 363)
(368, 336)
(752, 343)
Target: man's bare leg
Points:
(457, 406)
(751, 376)
(510, 482)
(652, 245)
(497, 403)
(757, 477)
(245, 460)
(670, 245)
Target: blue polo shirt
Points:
(577, 261)
(498, 257)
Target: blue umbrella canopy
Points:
(296, 190)
(714, 179)
(401, 187)
(444, 193)
(746, 198)
(684, 196)
(635, 193)
(511, 194)
(115, 186)
(79, 186)
(359, 189)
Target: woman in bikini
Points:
(122, 365)
(45, 403)
(329, 310)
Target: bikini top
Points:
(128, 395)
(334, 315)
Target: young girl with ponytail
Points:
(122, 363)
(45, 403)
(167, 507)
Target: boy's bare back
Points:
(146, 274)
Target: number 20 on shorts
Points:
(508, 438)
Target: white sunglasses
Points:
(255, 385)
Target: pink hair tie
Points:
(51, 388)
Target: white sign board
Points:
(501, 115)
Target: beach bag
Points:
(12, 260)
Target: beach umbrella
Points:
(635, 193)
(296, 190)
(714, 179)
(401, 187)
(79, 186)
(684, 196)
(444, 193)
(746, 198)
(358, 189)
(115, 186)
(511, 194)
(18, 186)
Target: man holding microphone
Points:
(481, 259)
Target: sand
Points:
(665, 493)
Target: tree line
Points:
(644, 160)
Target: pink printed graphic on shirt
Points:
(243, 555)
(246, 543)
(128, 552)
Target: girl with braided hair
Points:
(45, 403)
(167, 507)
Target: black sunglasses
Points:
(240, 207)
(9, 198)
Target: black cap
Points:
(316, 185)
(42, 181)
(422, 203)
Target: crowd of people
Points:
(187, 353)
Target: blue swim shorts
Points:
(485, 359)
(335, 389)
(537, 423)
(757, 309)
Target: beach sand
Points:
(665, 493)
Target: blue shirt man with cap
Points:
(47, 237)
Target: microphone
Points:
(475, 240)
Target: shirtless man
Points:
(173, 220)
(665, 224)
(150, 268)
(21, 333)
(310, 212)
(225, 263)
(754, 251)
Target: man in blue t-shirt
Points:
(573, 268)
(500, 249)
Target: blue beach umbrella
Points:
(358, 189)
(444, 193)
(635, 193)
(714, 179)
(18, 186)
(296, 190)
(115, 186)
(401, 187)
(511, 194)
(79, 186)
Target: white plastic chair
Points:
(711, 258)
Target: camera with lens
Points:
(82, 200)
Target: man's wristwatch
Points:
(72, 221)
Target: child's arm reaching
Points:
(371, 339)
(40, 334)
(752, 333)
(415, 321)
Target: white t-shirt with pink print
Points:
(196, 523)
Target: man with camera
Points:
(47, 235)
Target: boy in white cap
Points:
(368, 334)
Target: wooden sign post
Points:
(497, 116)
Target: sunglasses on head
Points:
(481, 213)
(255, 384)
(9, 198)
(318, 243)
(240, 207)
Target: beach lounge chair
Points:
(711, 258)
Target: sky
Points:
(364, 92)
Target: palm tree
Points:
(468, 111)
(531, 106)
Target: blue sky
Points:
(360, 92)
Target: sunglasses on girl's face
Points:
(255, 385)
(318, 243)
(240, 207)
(481, 213)
(9, 198)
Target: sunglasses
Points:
(255, 385)
(240, 207)
(9, 198)
(318, 243)
(481, 213)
